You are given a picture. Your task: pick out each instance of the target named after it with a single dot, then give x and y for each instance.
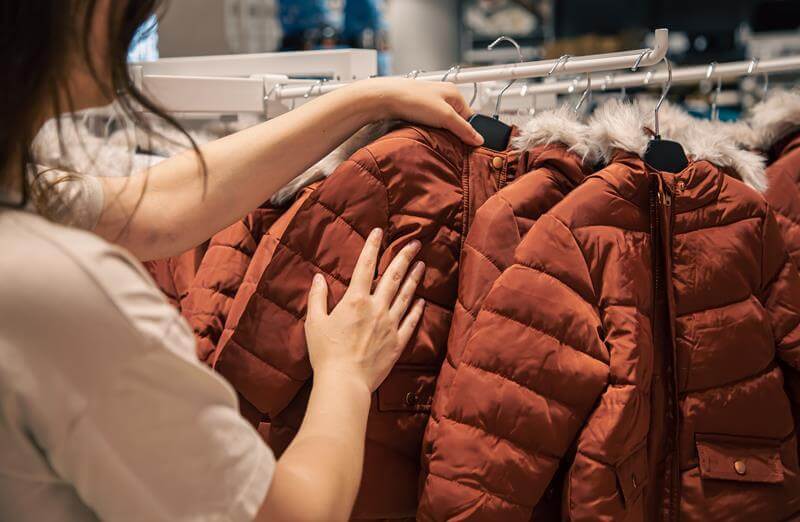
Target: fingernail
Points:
(419, 267)
(318, 279)
(376, 233)
(478, 139)
(416, 245)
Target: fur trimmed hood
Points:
(557, 126)
(621, 126)
(775, 117)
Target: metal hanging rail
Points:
(721, 71)
(235, 83)
(538, 69)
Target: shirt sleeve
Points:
(122, 409)
(165, 443)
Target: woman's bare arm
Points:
(172, 207)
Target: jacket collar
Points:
(622, 127)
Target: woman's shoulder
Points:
(60, 277)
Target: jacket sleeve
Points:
(217, 278)
(531, 372)
(781, 297)
(262, 350)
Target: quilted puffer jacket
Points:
(220, 274)
(415, 183)
(557, 155)
(630, 357)
(174, 275)
(776, 126)
(202, 282)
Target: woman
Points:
(104, 412)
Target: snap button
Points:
(740, 467)
(411, 399)
(497, 162)
(681, 186)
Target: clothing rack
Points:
(524, 70)
(235, 83)
(684, 75)
(251, 83)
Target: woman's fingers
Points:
(406, 294)
(364, 271)
(318, 297)
(395, 273)
(409, 324)
(457, 101)
(456, 124)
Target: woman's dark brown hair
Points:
(38, 38)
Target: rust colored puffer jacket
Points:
(415, 183)
(558, 155)
(174, 275)
(776, 125)
(220, 274)
(202, 282)
(631, 354)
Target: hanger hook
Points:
(267, 95)
(491, 47)
(586, 94)
(454, 69)
(317, 83)
(639, 59)
(715, 95)
(751, 70)
(561, 62)
(664, 92)
(474, 94)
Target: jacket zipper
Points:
(466, 204)
(664, 283)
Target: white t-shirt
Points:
(104, 410)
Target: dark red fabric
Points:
(415, 183)
(498, 227)
(783, 193)
(634, 346)
(174, 275)
(220, 275)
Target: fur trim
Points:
(775, 117)
(325, 167)
(620, 126)
(739, 132)
(557, 126)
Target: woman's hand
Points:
(366, 332)
(435, 104)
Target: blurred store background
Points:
(435, 34)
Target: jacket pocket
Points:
(407, 390)
(632, 475)
(740, 459)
